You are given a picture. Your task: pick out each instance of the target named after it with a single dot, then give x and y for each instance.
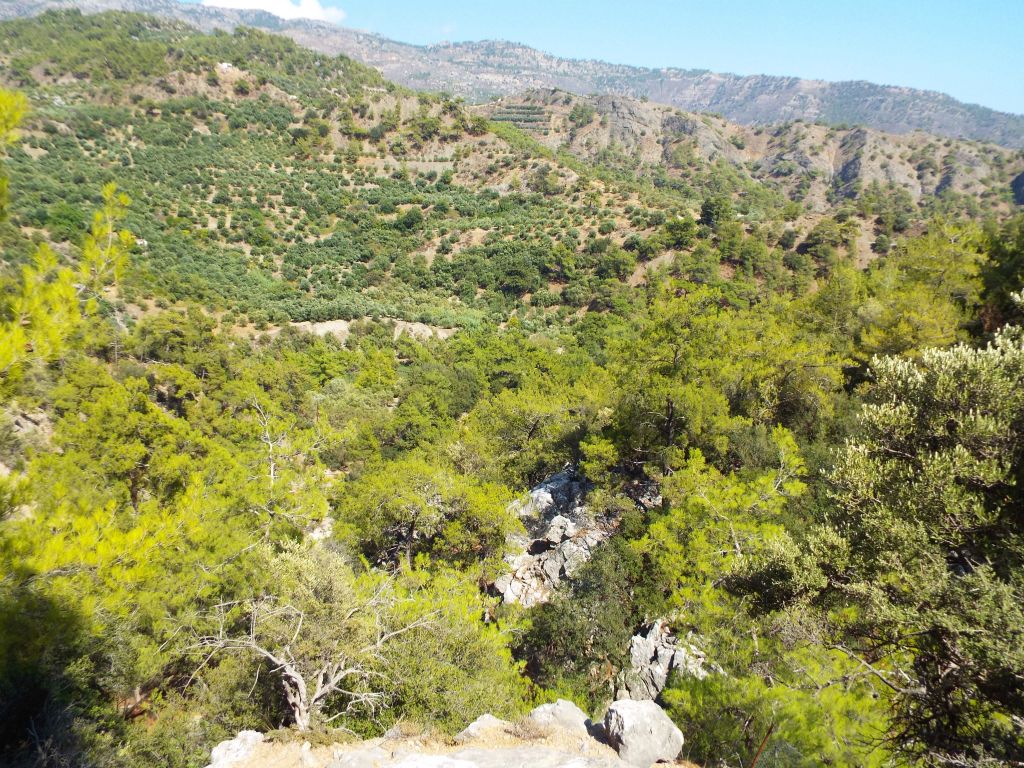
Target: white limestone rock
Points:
(562, 714)
(655, 653)
(235, 751)
(642, 733)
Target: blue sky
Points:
(973, 50)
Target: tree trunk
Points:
(670, 430)
(298, 698)
(301, 718)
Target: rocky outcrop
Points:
(642, 733)
(480, 757)
(562, 533)
(654, 654)
(561, 536)
(561, 494)
(555, 735)
(810, 161)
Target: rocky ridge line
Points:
(632, 734)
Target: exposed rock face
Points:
(483, 757)
(235, 751)
(654, 654)
(562, 535)
(642, 733)
(560, 494)
(368, 757)
(812, 160)
(30, 429)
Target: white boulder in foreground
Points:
(483, 726)
(553, 736)
(562, 714)
(505, 757)
(236, 751)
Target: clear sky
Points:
(971, 49)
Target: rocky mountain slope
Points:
(483, 70)
(810, 161)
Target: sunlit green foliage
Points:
(186, 473)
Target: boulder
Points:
(562, 714)
(483, 725)
(654, 654)
(233, 751)
(535, 573)
(642, 733)
(366, 757)
(559, 529)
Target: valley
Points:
(349, 419)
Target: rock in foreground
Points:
(642, 733)
(554, 736)
(501, 757)
(483, 727)
(236, 751)
(562, 714)
(491, 751)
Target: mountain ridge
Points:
(815, 163)
(489, 69)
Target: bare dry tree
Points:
(325, 633)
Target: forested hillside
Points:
(284, 348)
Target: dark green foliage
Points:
(716, 211)
(1005, 276)
(916, 562)
(581, 114)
